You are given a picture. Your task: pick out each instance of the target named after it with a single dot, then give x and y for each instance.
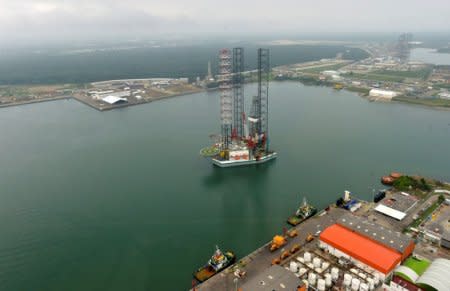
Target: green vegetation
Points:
(376, 77)
(417, 74)
(317, 70)
(364, 91)
(58, 67)
(427, 212)
(405, 183)
(427, 102)
(442, 85)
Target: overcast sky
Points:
(66, 19)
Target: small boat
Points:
(218, 262)
(304, 212)
(387, 180)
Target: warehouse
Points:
(367, 245)
(383, 94)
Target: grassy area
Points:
(364, 91)
(376, 77)
(442, 85)
(317, 70)
(405, 183)
(427, 212)
(427, 102)
(417, 74)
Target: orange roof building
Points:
(362, 248)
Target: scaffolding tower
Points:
(238, 93)
(226, 101)
(259, 117)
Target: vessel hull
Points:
(227, 164)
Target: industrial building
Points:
(382, 94)
(114, 100)
(397, 205)
(435, 276)
(367, 245)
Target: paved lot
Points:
(261, 259)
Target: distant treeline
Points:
(147, 63)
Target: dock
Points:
(259, 260)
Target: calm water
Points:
(430, 56)
(121, 200)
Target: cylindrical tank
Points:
(318, 270)
(316, 262)
(293, 266)
(347, 279)
(321, 285)
(376, 278)
(306, 283)
(370, 283)
(325, 265)
(302, 271)
(355, 284)
(312, 279)
(354, 271)
(300, 259)
(310, 265)
(328, 280)
(307, 257)
(334, 273)
(363, 287)
(362, 275)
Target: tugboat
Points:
(304, 212)
(218, 262)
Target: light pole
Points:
(235, 280)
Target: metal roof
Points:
(390, 212)
(385, 236)
(114, 99)
(408, 272)
(273, 278)
(360, 247)
(437, 275)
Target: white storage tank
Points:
(317, 262)
(362, 275)
(328, 281)
(307, 257)
(334, 273)
(354, 271)
(312, 279)
(321, 285)
(355, 284)
(376, 278)
(293, 267)
(325, 265)
(370, 283)
(302, 271)
(363, 287)
(318, 270)
(305, 282)
(347, 279)
(300, 259)
(310, 265)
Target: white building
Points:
(383, 94)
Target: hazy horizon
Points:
(28, 21)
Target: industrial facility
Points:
(366, 244)
(243, 140)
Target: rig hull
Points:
(227, 163)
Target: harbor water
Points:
(121, 200)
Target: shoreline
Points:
(106, 107)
